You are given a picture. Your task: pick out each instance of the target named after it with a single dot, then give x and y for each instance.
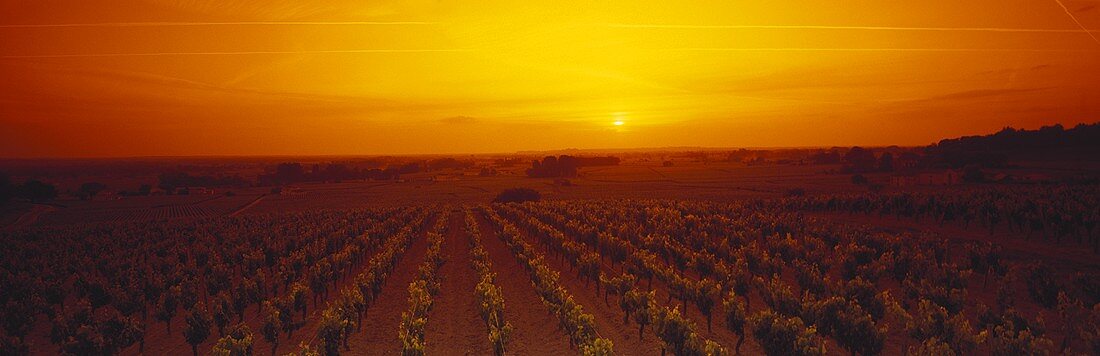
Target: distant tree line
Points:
(170, 182)
(1048, 142)
(862, 160)
(566, 166)
(294, 172)
(32, 190)
(448, 163)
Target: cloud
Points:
(982, 93)
(235, 53)
(1086, 8)
(231, 23)
(866, 28)
(459, 120)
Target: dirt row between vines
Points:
(535, 330)
(454, 324)
(609, 320)
(378, 334)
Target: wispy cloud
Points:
(458, 120)
(233, 53)
(982, 93)
(827, 27)
(234, 23)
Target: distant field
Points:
(712, 181)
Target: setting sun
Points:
(618, 123)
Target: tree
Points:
(37, 191)
(197, 329)
(886, 162)
(6, 188)
(238, 342)
(973, 174)
(859, 179)
(517, 195)
(90, 189)
(859, 159)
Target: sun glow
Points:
(618, 123)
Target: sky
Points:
(119, 78)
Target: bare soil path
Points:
(378, 335)
(609, 319)
(534, 330)
(454, 323)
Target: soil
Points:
(454, 324)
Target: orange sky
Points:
(226, 77)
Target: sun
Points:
(618, 123)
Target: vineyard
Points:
(150, 211)
(591, 277)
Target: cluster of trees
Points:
(1048, 142)
(32, 190)
(566, 166)
(517, 195)
(862, 160)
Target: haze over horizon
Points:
(294, 77)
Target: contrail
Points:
(1074, 18)
(239, 23)
(869, 28)
(231, 53)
